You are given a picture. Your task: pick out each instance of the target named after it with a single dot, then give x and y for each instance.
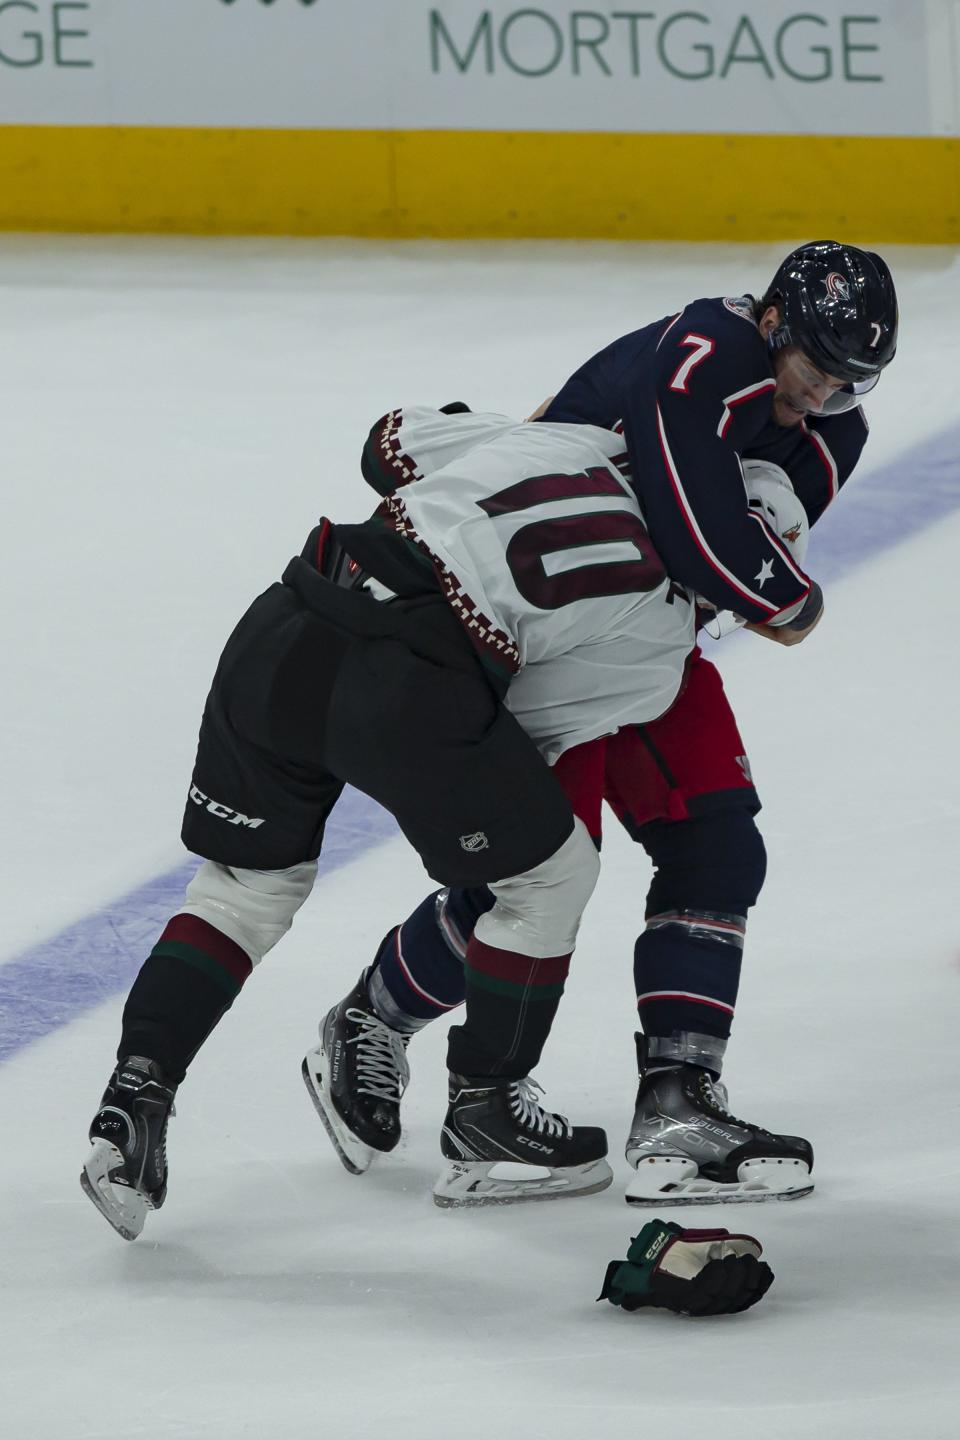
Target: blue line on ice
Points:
(54, 982)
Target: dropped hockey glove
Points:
(692, 1272)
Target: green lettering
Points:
(826, 59)
(706, 49)
(846, 22)
(633, 18)
(37, 54)
(483, 31)
(745, 27)
(556, 36)
(59, 34)
(577, 41)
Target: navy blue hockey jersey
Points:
(693, 393)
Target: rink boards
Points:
(754, 121)
(474, 184)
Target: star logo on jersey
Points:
(765, 573)
(793, 534)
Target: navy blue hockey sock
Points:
(708, 873)
(418, 972)
(686, 968)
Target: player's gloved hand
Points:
(800, 626)
(692, 1272)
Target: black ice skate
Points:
(356, 1077)
(687, 1149)
(125, 1174)
(498, 1125)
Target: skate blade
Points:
(666, 1180)
(122, 1207)
(354, 1155)
(470, 1183)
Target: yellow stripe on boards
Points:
(471, 184)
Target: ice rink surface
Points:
(174, 416)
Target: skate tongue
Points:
(135, 1069)
(714, 1092)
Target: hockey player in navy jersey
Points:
(695, 394)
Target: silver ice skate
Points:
(687, 1149)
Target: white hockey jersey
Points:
(541, 548)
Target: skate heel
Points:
(354, 1155)
(121, 1206)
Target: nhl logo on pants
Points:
(474, 842)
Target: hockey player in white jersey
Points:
(518, 565)
(545, 556)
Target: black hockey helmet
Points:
(839, 305)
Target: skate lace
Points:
(525, 1107)
(382, 1067)
(715, 1093)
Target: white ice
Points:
(173, 415)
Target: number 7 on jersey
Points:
(701, 348)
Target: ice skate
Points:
(498, 1125)
(356, 1077)
(125, 1174)
(687, 1149)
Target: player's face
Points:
(802, 387)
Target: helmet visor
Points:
(849, 397)
(807, 389)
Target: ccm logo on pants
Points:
(222, 812)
